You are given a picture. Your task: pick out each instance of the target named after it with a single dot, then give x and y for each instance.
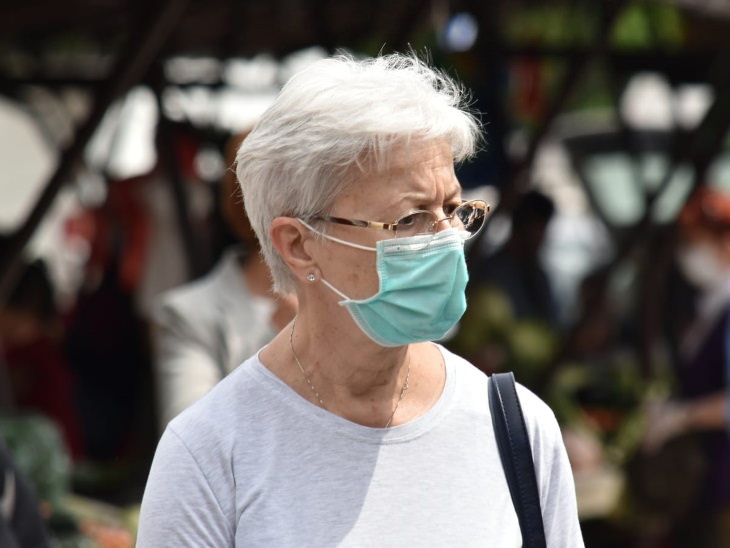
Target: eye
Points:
(408, 220)
(450, 208)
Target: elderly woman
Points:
(351, 427)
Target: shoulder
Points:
(533, 407)
(542, 426)
(472, 382)
(460, 367)
(218, 416)
(467, 383)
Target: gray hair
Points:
(338, 117)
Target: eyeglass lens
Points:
(468, 216)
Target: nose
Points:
(443, 223)
(441, 220)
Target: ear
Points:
(290, 238)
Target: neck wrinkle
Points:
(344, 362)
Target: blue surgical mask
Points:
(422, 288)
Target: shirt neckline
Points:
(334, 423)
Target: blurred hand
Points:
(286, 309)
(664, 421)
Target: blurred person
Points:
(106, 337)
(204, 329)
(702, 405)
(515, 268)
(166, 262)
(351, 427)
(135, 253)
(512, 319)
(31, 349)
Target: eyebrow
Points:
(418, 198)
(424, 199)
(455, 191)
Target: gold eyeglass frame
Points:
(479, 204)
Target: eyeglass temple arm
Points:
(357, 222)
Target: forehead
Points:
(417, 174)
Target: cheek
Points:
(354, 274)
(364, 279)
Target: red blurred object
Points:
(41, 381)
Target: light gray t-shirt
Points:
(254, 464)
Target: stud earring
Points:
(311, 277)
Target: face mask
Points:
(422, 285)
(702, 266)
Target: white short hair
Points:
(338, 117)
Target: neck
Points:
(366, 385)
(353, 376)
(347, 392)
(347, 366)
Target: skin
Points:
(355, 377)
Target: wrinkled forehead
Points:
(418, 175)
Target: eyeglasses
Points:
(468, 216)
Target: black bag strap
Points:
(516, 456)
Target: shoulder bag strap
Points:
(516, 456)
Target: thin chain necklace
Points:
(316, 393)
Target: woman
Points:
(207, 327)
(703, 374)
(350, 428)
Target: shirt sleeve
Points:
(186, 367)
(553, 472)
(180, 508)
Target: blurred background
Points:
(603, 119)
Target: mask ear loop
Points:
(336, 291)
(327, 236)
(332, 238)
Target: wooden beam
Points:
(698, 149)
(131, 65)
(520, 168)
(170, 163)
